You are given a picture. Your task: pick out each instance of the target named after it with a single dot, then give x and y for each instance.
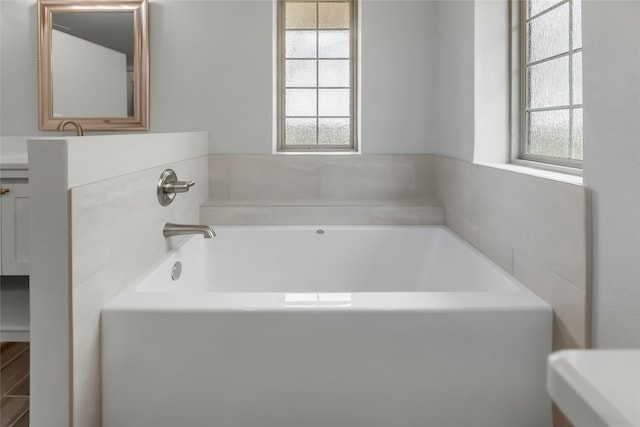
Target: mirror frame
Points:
(140, 119)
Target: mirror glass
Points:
(93, 63)
(91, 60)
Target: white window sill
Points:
(316, 153)
(540, 173)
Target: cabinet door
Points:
(14, 207)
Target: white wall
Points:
(491, 73)
(453, 105)
(85, 72)
(49, 289)
(399, 72)
(18, 68)
(611, 63)
(211, 69)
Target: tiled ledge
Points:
(326, 212)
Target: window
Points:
(550, 66)
(316, 75)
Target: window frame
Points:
(281, 146)
(519, 123)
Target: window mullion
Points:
(571, 144)
(544, 12)
(524, 90)
(317, 73)
(554, 108)
(549, 59)
(281, 66)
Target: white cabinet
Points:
(14, 223)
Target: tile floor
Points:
(14, 384)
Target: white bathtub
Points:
(370, 326)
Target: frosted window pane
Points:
(300, 131)
(333, 131)
(300, 102)
(333, 15)
(333, 44)
(300, 44)
(577, 78)
(300, 73)
(549, 84)
(334, 73)
(549, 133)
(577, 133)
(577, 24)
(300, 15)
(549, 34)
(537, 6)
(334, 102)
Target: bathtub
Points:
(371, 326)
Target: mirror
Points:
(93, 64)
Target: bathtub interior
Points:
(327, 259)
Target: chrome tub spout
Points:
(171, 229)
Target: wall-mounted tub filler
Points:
(168, 186)
(171, 229)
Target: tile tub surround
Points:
(322, 189)
(127, 248)
(535, 228)
(98, 226)
(402, 212)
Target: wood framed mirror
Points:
(93, 64)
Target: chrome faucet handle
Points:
(168, 186)
(178, 186)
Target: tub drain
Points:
(320, 231)
(176, 270)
